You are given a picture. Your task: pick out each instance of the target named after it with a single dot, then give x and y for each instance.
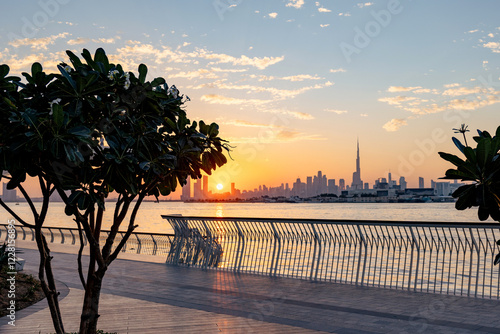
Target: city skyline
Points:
(292, 84)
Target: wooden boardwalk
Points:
(146, 297)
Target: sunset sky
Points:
(294, 83)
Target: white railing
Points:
(139, 242)
(447, 258)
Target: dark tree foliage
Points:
(482, 167)
(89, 131)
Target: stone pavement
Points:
(148, 297)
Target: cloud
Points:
(273, 15)
(396, 100)
(451, 85)
(295, 3)
(243, 123)
(472, 31)
(366, 4)
(323, 10)
(276, 92)
(324, 25)
(459, 91)
(274, 137)
(201, 73)
(344, 14)
(79, 40)
(301, 77)
(337, 70)
(394, 89)
(336, 111)
(260, 63)
(493, 46)
(294, 114)
(394, 124)
(219, 99)
(38, 43)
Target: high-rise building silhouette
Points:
(186, 190)
(421, 182)
(205, 185)
(8, 195)
(357, 183)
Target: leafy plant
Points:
(86, 132)
(482, 167)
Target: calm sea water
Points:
(149, 217)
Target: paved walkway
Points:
(146, 297)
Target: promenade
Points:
(149, 297)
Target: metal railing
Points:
(447, 258)
(139, 242)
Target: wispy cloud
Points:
(324, 25)
(394, 89)
(493, 46)
(336, 111)
(459, 91)
(396, 100)
(219, 99)
(337, 70)
(394, 124)
(323, 10)
(295, 3)
(365, 4)
(38, 43)
(273, 15)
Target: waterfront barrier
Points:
(434, 257)
(138, 243)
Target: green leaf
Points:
(4, 70)
(470, 154)
(74, 59)
(451, 158)
(35, 69)
(143, 71)
(68, 77)
(80, 131)
(458, 144)
(157, 82)
(483, 151)
(58, 114)
(497, 259)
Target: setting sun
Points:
(220, 186)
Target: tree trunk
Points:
(90, 311)
(48, 284)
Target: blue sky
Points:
(292, 84)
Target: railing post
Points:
(363, 243)
(24, 232)
(316, 243)
(139, 245)
(62, 236)
(414, 243)
(474, 244)
(239, 254)
(155, 246)
(277, 241)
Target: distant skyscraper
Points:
(205, 185)
(186, 190)
(421, 182)
(342, 184)
(356, 176)
(197, 193)
(402, 183)
(309, 187)
(8, 195)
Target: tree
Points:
(482, 168)
(90, 131)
